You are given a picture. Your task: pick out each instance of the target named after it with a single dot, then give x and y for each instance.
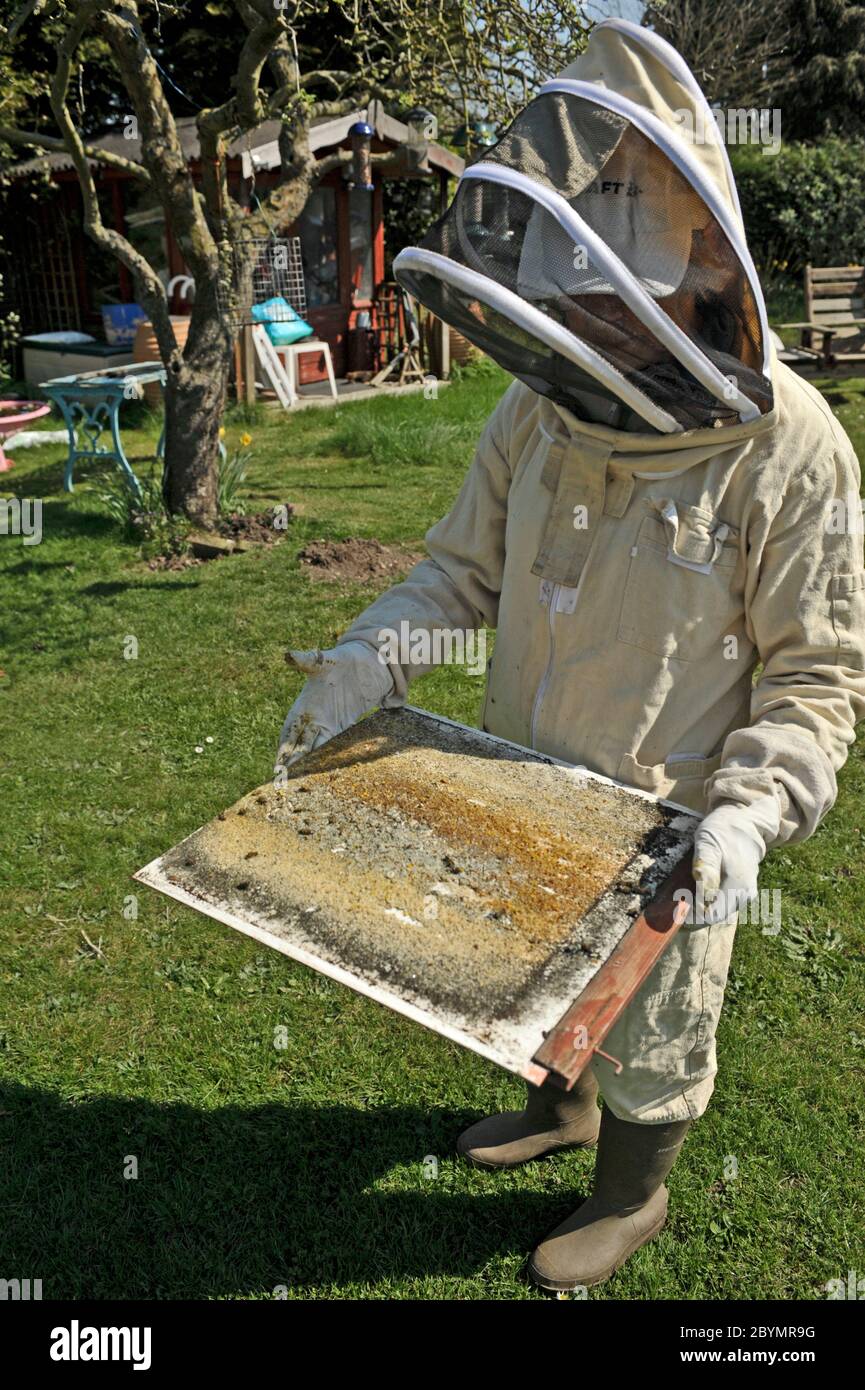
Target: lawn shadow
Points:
(239, 1200)
(31, 565)
(61, 519)
(345, 487)
(44, 480)
(109, 588)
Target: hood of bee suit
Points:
(597, 252)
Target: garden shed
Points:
(57, 281)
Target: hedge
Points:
(804, 204)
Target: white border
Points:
(533, 321)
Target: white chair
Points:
(289, 355)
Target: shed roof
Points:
(257, 149)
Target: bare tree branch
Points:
(243, 111)
(260, 43)
(161, 150)
(150, 286)
(739, 53)
(335, 108)
(33, 7)
(46, 144)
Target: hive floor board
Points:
(466, 882)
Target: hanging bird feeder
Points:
(422, 127)
(475, 138)
(361, 150)
(262, 270)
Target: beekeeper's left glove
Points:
(344, 684)
(729, 847)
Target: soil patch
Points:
(234, 534)
(358, 560)
(258, 528)
(173, 562)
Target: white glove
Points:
(344, 683)
(728, 849)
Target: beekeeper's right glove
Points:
(344, 684)
(729, 847)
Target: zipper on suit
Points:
(545, 679)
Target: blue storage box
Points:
(120, 322)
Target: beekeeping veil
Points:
(597, 250)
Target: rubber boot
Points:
(627, 1208)
(552, 1120)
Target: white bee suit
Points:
(636, 576)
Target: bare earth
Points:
(359, 561)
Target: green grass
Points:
(305, 1167)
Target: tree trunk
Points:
(195, 396)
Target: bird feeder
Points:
(475, 138)
(361, 151)
(422, 127)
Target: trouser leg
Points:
(666, 1036)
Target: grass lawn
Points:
(306, 1169)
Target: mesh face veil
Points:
(589, 252)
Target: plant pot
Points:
(462, 351)
(146, 349)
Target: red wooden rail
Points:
(568, 1048)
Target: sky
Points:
(618, 9)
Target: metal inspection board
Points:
(479, 888)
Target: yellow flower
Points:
(245, 439)
(222, 431)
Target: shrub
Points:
(144, 517)
(804, 204)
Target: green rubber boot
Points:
(552, 1120)
(627, 1208)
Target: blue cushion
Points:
(284, 334)
(275, 308)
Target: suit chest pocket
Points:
(680, 598)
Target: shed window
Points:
(317, 230)
(360, 217)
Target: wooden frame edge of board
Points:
(568, 1048)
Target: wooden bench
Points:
(834, 316)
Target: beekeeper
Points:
(655, 506)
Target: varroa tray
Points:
(474, 885)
